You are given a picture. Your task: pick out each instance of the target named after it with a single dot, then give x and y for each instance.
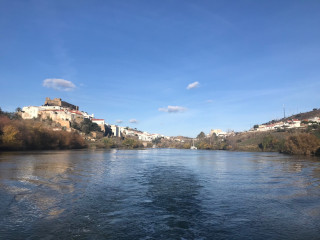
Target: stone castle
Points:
(60, 103)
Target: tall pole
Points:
(284, 112)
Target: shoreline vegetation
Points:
(17, 134)
(294, 142)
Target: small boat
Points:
(193, 147)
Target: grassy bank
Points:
(119, 143)
(296, 142)
(292, 141)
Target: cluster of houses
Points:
(143, 136)
(218, 133)
(65, 113)
(61, 112)
(293, 123)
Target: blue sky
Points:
(134, 59)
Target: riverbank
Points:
(290, 142)
(294, 142)
(116, 143)
(17, 134)
(20, 135)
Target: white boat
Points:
(193, 147)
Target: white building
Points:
(116, 130)
(294, 123)
(217, 132)
(30, 112)
(52, 108)
(101, 123)
(315, 119)
(98, 121)
(86, 115)
(145, 137)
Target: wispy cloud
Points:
(193, 85)
(173, 109)
(133, 121)
(209, 101)
(58, 84)
(119, 121)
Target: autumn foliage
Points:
(302, 144)
(18, 134)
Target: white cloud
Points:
(119, 121)
(133, 121)
(58, 84)
(193, 85)
(173, 109)
(209, 101)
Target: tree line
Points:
(19, 134)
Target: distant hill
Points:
(300, 116)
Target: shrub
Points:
(302, 144)
(33, 135)
(269, 143)
(131, 143)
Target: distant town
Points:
(58, 124)
(287, 124)
(65, 114)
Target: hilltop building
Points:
(293, 123)
(217, 132)
(100, 123)
(60, 103)
(58, 111)
(30, 112)
(66, 114)
(116, 130)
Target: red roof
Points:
(97, 119)
(76, 112)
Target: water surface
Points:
(158, 194)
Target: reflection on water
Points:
(158, 194)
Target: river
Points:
(158, 194)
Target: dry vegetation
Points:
(302, 144)
(120, 143)
(18, 134)
(298, 142)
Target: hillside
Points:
(297, 139)
(300, 116)
(19, 134)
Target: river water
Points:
(158, 194)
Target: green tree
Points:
(156, 140)
(269, 143)
(201, 135)
(86, 126)
(108, 132)
(75, 125)
(131, 143)
(10, 137)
